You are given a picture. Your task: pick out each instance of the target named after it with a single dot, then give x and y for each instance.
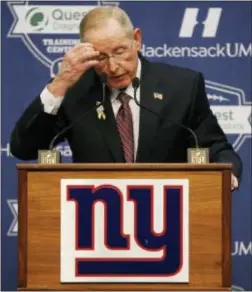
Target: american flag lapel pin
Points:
(158, 95)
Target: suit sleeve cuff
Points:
(50, 102)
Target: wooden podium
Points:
(39, 223)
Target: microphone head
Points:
(135, 82)
(103, 77)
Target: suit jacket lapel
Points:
(148, 121)
(108, 128)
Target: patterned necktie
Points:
(125, 127)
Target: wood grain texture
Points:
(22, 228)
(205, 228)
(226, 227)
(125, 166)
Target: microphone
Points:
(103, 78)
(195, 155)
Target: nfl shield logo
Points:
(198, 155)
(124, 230)
(48, 156)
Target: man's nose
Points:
(112, 64)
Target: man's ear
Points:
(138, 38)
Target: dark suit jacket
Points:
(93, 140)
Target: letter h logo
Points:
(210, 23)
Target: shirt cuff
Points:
(51, 103)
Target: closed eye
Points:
(119, 51)
(102, 57)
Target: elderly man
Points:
(123, 131)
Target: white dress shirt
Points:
(52, 104)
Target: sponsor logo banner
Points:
(193, 26)
(49, 19)
(218, 50)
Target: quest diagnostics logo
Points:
(36, 19)
(49, 31)
(48, 19)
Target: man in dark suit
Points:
(121, 131)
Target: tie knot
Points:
(123, 97)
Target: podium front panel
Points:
(205, 229)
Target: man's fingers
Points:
(85, 57)
(82, 46)
(77, 61)
(88, 55)
(234, 182)
(86, 65)
(79, 49)
(73, 57)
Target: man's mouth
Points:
(117, 77)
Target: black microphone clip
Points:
(104, 79)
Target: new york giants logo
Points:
(124, 231)
(190, 21)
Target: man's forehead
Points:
(107, 32)
(104, 36)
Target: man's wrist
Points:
(50, 102)
(57, 88)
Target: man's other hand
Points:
(234, 182)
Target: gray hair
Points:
(98, 16)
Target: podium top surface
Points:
(124, 166)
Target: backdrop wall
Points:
(212, 37)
